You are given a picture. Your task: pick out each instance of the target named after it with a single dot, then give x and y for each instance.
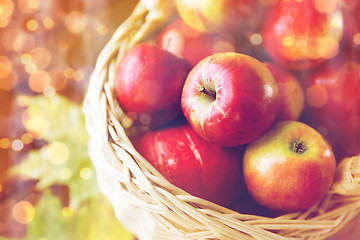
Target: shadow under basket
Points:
(152, 208)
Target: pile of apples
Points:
(251, 98)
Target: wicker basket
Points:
(147, 204)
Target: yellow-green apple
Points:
(149, 82)
(215, 15)
(292, 100)
(230, 98)
(193, 45)
(302, 35)
(333, 102)
(189, 162)
(290, 167)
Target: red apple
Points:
(230, 98)
(186, 160)
(149, 82)
(292, 100)
(193, 45)
(302, 34)
(289, 168)
(333, 101)
(215, 15)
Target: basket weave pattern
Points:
(147, 204)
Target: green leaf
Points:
(91, 221)
(64, 159)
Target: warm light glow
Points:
(325, 6)
(41, 57)
(28, 6)
(328, 47)
(58, 78)
(23, 42)
(26, 138)
(69, 72)
(8, 36)
(288, 41)
(67, 212)
(9, 82)
(26, 58)
(39, 80)
(85, 173)
(30, 68)
(5, 66)
(58, 152)
(34, 122)
(49, 92)
(6, 10)
(17, 145)
(356, 39)
(256, 39)
(78, 75)
(48, 23)
(23, 101)
(65, 173)
(32, 25)
(316, 96)
(23, 212)
(63, 45)
(102, 30)
(268, 2)
(5, 143)
(75, 22)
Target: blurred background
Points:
(48, 49)
(48, 188)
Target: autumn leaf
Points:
(64, 159)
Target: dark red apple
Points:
(191, 44)
(292, 100)
(149, 82)
(301, 34)
(196, 166)
(290, 167)
(230, 98)
(333, 102)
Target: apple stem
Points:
(299, 146)
(209, 93)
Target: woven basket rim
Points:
(172, 212)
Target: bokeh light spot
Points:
(75, 22)
(85, 173)
(5, 66)
(17, 145)
(316, 96)
(39, 80)
(48, 23)
(58, 78)
(9, 82)
(5, 143)
(28, 6)
(288, 41)
(23, 212)
(328, 47)
(356, 39)
(49, 92)
(41, 57)
(23, 42)
(58, 152)
(32, 25)
(256, 39)
(78, 75)
(325, 6)
(102, 30)
(6, 11)
(26, 138)
(23, 101)
(65, 173)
